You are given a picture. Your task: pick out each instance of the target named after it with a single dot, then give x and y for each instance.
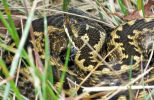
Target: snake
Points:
(109, 53)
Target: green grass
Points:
(10, 24)
(123, 7)
(62, 80)
(12, 30)
(140, 6)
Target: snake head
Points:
(75, 27)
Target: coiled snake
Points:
(109, 55)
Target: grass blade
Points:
(65, 4)
(11, 23)
(47, 59)
(140, 6)
(62, 79)
(123, 7)
(64, 68)
(20, 48)
(12, 84)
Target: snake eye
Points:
(71, 58)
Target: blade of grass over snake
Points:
(130, 77)
(47, 60)
(6, 47)
(64, 68)
(65, 8)
(12, 30)
(48, 72)
(130, 68)
(13, 50)
(4, 68)
(11, 22)
(12, 84)
(35, 74)
(20, 48)
(37, 77)
(7, 25)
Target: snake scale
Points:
(108, 54)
